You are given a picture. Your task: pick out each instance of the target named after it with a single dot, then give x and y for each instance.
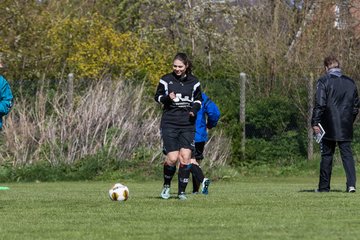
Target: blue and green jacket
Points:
(6, 99)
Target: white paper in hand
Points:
(319, 135)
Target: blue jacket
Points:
(6, 98)
(207, 117)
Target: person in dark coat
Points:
(336, 108)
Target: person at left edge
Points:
(6, 97)
(180, 94)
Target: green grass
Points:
(251, 208)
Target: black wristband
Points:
(196, 107)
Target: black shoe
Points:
(321, 190)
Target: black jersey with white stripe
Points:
(188, 97)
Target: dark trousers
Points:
(327, 153)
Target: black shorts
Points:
(176, 138)
(198, 151)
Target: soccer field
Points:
(252, 208)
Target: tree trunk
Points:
(308, 18)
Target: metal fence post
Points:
(310, 149)
(70, 92)
(242, 111)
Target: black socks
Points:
(184, 174)
(169, 172)
(197, 177)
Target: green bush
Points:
(281, 150)
(41, 171)
(273, 135)
(267, 117)
(100, 166)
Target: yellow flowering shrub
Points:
(92, 48)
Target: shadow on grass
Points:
(313, 191)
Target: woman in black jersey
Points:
(180, 94)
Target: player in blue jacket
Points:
(6, 97)
(207, 118)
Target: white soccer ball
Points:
(119, 192)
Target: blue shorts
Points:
(176, 138)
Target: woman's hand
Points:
(172, 95)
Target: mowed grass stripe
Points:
(253, 208)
